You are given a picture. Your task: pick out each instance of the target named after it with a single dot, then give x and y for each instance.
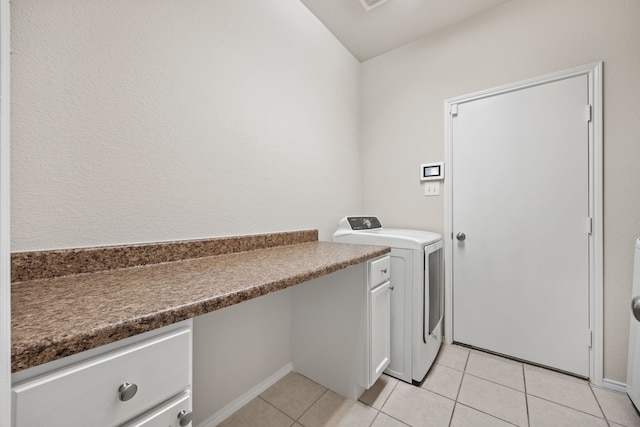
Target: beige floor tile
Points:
(617, 407)
(554, 373)
(418, 407)
(543, 413)
(576, 395)
(497, 369)
(443, 380)
(334, 410)
(494, 399)
(384, 420)
(379, 392)
(453, 356)
(463, 416)
(293, 394)
(257, 412)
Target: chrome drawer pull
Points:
(185, 417)
(127, 391)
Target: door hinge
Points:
(453, 110)
(589, 225)
(589, 112)
(589, 337)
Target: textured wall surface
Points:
(155, 120)
(160, 120)
(229, 361)
(403, 122)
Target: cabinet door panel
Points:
(380, 324)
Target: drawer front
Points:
(87, 394)
(379, 271)
(166, 415)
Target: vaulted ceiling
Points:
(391, 23)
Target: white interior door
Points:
(633, 361)
(520, 195)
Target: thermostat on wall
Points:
(431, 171)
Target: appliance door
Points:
(633, 368)
(428, 304)
(434, 289)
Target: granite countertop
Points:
(54, 317)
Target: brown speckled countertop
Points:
(59, 316)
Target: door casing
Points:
(596, 289)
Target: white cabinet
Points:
(380, 330)
(111, 388)
(174, 413)
(341, 327)
(379, 333)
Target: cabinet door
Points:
(380, 330)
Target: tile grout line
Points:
(297, 420)
(604, 416)
(455, 402)
(526, 395)
(606, 420)
(493, 382)
(464, 372)
(569, 407)
(273, 406)
(385, 401)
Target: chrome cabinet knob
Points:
(127, 391)
(461, 236)
(185, 417)
(635, 307)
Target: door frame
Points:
(596, 289)
(5, 260)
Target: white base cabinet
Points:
(380, 330)
(341, 327)
(111, 388)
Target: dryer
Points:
(417, 299)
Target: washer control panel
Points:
(363, 222)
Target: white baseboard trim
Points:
(614, 385)
(245, 398)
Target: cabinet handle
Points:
(391, 288)
(384, 271)
(127, 391)
(185, 417)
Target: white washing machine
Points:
(417, 299)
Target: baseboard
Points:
(245, 398)
(614, 385)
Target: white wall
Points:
(403, 122)
(238, 347)
(153, 120)
(158, 120)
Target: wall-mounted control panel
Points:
(431, 171)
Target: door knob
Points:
(635, 307)
(461, 236)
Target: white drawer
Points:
(166, 415)
(379, 271)
(87, 393)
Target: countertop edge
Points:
(46, 350)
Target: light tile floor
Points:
(463, 388)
